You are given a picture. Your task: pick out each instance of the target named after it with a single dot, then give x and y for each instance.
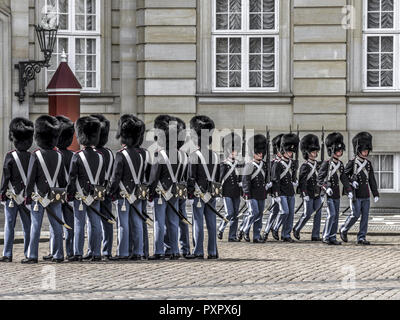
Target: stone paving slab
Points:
(274, 270)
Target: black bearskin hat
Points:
(122, 119)
(104, 131)
(231, 142)
(47, 132)
(131, 130)
(166, 124)
(276, 143)
(21, 133)
(308, 144)
(67, 132)
(88, 131)
(181, 129)
(258, 144)
(199, 123)
(362, 141)
(290, 142)
(334, 142)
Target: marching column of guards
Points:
(96, 191)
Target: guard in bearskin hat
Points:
(283, 188)
(106, 205)
(203, 187)
(13, 183)
(254, 184)
(231, 183)
(309, 189)
(64, 141)
(145, 180)
(361, 174)
(46, 175)
(125, 190)
(330, 173)
(86, 188)
(276, 147)
(182, 177)
(163, 188)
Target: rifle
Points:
(323, 145)
(177, 212)
(354, 178)
(326, 180)
(93, 208)
(244, 143)
(268, 156)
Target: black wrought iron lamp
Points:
(47, 36)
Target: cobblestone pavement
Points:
(274, 270)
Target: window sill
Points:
(388, 97)
(245, 98)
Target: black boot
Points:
(49, 257)
(247, 238)
(275, 235)
(29, 261)
(240, 235)
(157, 257)
(6, 259)
(343, 236)
(296, 234)
(220, 235)
(87, 257)
(75, 259)
(363, 242)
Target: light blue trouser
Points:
(57, 249)
(166, 221)
(184, 239)
(360, 207)
(130, 229)
(108, 229)
(309, 208)
(255, 220)
(69, 234)
(9, 227)
(183, 231)
(245, 219)
(271, 219)
(198, 228)
(231, 213)
(95, 232)
(286, 216)
(145, 232)
(332, 219)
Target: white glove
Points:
(71, 203)
(376, 199)
(268, 186)
(350, 195)
(190, 202)
(29, 207)
(278, 199)
(240, 184)
(306, 198)
(150, 204)
(329, 192)
(4, 203)
(355, 184)
(295, 184)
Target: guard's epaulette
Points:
(76, 152)
(34, 151)
(12, 151)
(120, 150)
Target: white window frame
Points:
(396, 175)
(72, 34)
(395, 32)
(245, 34)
